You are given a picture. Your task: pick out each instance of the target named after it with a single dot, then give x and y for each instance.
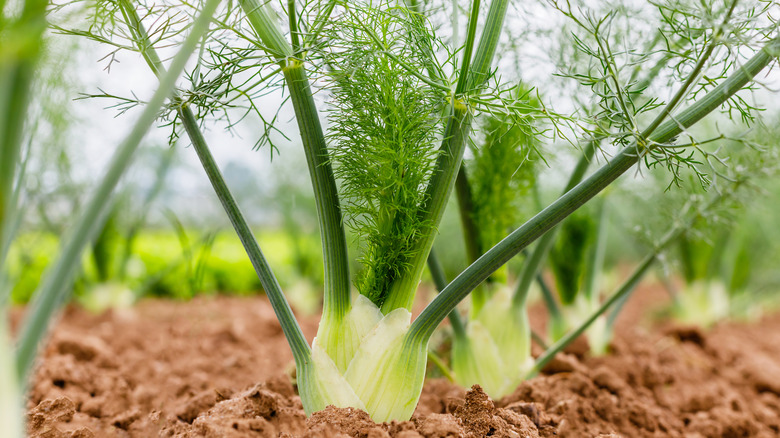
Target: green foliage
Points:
(224, 270)
(502, 175)
(159, 266)
(27, 259)
(384, 123)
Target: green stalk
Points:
(461, 286)
(439, 363)
(13, 220)
(615, 311)
(55, 288)
(556, 321)
(539, 340)
(488, 42)
(460, 88)
(267, 28)
(290, 327)
(440, 280)
(471, 236)
(293, 21)
(284, 314)
(547, 294)
(16, 77)
(596, 257)
(8, 227)
(448, 164)
(141, 37)
(334, 243)
(466, 209)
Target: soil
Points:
(220, 367)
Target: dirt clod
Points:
(605, 378)
(687, 333)
(561, 363)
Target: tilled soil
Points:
(220, 367)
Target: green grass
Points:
(160, 267)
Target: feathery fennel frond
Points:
(223, 86)
(502, 174)
(704, 41)
(384, 123)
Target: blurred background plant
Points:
(22, 27)
(726, 264)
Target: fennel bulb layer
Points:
(366, 361)
(703, 303)
(496, 349)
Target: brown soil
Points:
(220, 367)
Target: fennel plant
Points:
(577, 261)
(364, 354)
(705, 299)
(401, 113)
(492, 189)
(498, 348)
(719, 256)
